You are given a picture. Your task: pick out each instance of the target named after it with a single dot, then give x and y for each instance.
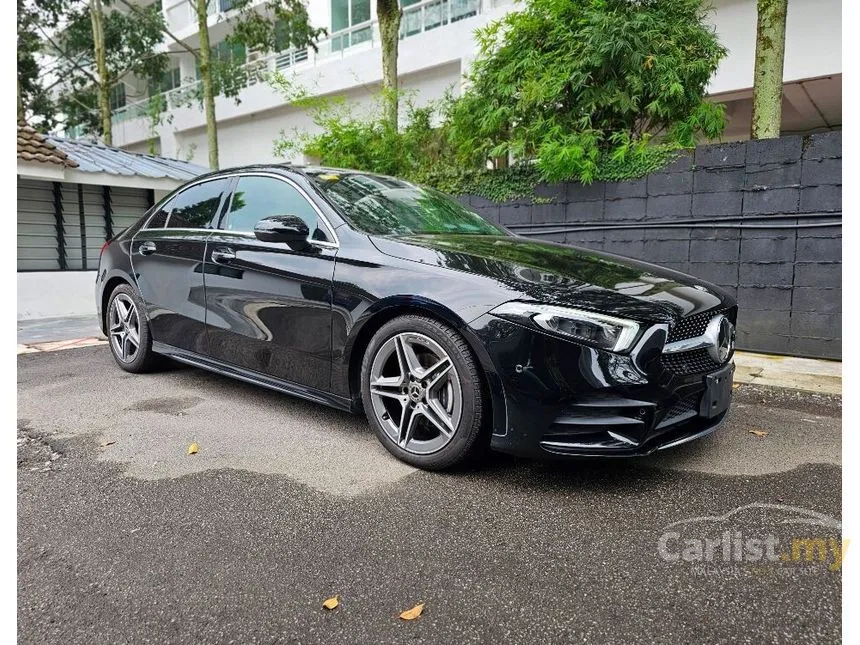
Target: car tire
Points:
(125, 322)
(447, 406)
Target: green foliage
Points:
(131, 39)
(587, 90)
(576, 85)
(36, 104)
(498, 185)
(156, 112)
(282, 24)
(351, 139)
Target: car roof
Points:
(288, 167)
(307, 171)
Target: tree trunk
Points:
(769, 58)
(206, 82)
(21, 115)
(103, 89)
(388, 13)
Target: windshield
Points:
(386, 206)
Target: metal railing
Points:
(417, 18)
(132, 110)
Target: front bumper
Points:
(564, 399)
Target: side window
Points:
(159, 219)
(195, 207)
(258, 197)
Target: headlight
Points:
(599, 330)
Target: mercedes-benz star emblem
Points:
(721, 334)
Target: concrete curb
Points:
(57, 345)
(805, 374)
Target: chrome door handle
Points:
(147, 248)
(223, 255)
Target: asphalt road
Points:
(125, 538)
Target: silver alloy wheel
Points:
(416, 393)
(124, 324)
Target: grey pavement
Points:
(49, 329)
(124, 537)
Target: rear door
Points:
(167, 257)
(269, 306)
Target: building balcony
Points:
(459, 16)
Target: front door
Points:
(269, 306)
(167, 257)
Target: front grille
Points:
(694, 325)
(697, 361)
(683, 409)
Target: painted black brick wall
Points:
(760, 218)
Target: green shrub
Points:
(583, 87)
(585, 90)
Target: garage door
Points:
(37, 231)
(127, 204)
(82, 237)
(93, 234)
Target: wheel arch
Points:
(385, 310)
(110, 284)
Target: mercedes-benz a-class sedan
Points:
(365, 292)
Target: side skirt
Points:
(249, 376)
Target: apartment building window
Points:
(226, 52)
(434, 14)
(170, 79)
(346, 14)
(117, 96)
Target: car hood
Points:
(558, 274)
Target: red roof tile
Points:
(32, 146)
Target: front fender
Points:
(383, 310)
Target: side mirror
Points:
(289, 229)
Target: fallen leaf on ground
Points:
(735, 386)
(193, 448)
(759, 433)
(105, 444)
(412, 614)
(331, 603)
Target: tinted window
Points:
(387, 206)
(159, 219)
(195, 207)
(258, 197)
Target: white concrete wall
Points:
(56, 294)
(813, 41)
(251, 139)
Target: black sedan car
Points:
(361, 291)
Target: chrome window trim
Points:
(170, 197)
(186, 188)
(301, 191)
(252, 236)
(250, 173)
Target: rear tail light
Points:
(104, 246)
